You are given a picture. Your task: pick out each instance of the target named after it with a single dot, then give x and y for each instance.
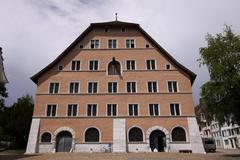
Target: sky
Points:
(33, 33)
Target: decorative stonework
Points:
(164, 130)
(60, 130)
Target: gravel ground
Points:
(129, 156)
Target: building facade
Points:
(114, 89)
(226, 136)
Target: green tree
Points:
(18, 120)
(221, 95)
(3, 94)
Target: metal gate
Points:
(64, 142)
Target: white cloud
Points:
(33, 33)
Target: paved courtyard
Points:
(220, 155)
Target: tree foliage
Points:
(3, 94)
(16, 120)
(221, 95)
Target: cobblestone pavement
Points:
(219, 155)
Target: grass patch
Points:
(13, 152)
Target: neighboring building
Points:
(225, 136)
(3, 78)
(114, 89)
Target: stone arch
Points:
(164, 130)
(135, 126)
(99, 132)
(40, 136)
(117, 65)
(176, 126)
(70, 130)
(64, 129)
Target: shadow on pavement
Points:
(231, 155)
(14, 157)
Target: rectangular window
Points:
(168, 66)
(94, 43)
(112, 43)
(91, 110)
(112, 109)
(75, 66)
(73, 87)
(175, 109)
(172, 86)
(53, 88)
(92, 87)
(112, 87)
(153, 109)
(131, 87)
(51, 110)
(130, 65)
(72, 110)
(60, 67)
(133, 109)
(226, 142)
(152, 86)
(93, 65)
(130, 43)
(151, 64)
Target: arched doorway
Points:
(64, 141)
(157, 140)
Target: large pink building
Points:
(114, 89)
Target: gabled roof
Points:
(114, 23)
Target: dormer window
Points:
(168, 66)
(114, 67)
(147, 45)
(60, 67)
(123, 29)
(106, 29)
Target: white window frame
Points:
(92, 86)
(75, 65)
(134, 42)
(172, 86)
(131, 60)
(93, 60)
(112, 86)
(51, 109)
(94, 44)
(71, 112)
(152, 86)
(74, 87)
(131, 86)
(111, 110)
(151, 66)
(112, 43)
(138, 109)
(180, 110)
(170, 66)
(54, 82)
(92, 109)
(159, 113)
